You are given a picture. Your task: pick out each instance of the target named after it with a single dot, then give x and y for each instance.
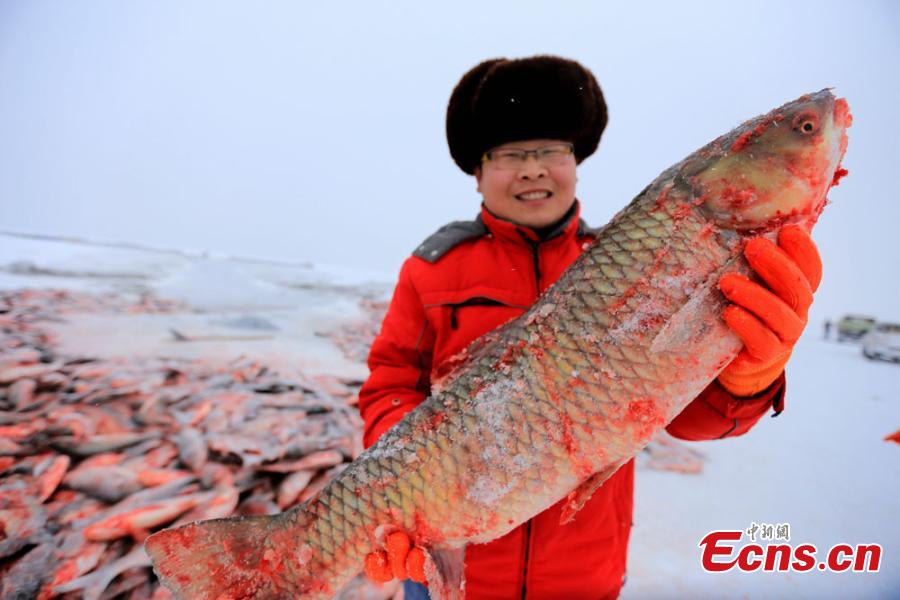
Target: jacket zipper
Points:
(527, 552)
(535, 261)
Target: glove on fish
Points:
(769, 321)
(397, 560)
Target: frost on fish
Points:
(550, 404)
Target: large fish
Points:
(549, 405)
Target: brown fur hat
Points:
(500, 101)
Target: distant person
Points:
(827, 328)
(521, 127)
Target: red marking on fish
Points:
(644, 415)
(744, 139)
(838, 175)
(435, 420)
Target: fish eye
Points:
(806, 123)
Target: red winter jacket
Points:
(464, 281)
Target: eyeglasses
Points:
(551, 155)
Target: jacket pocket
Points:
(455, 307)
(455, 310)
(459, 321)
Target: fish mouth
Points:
(531, 195)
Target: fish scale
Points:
(551, 403)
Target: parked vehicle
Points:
(853, 327)
(883, 342)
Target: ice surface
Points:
(821, 466)
(304, 302)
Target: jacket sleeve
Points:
(399, 362)
(716, 413)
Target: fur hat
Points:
(500, 101)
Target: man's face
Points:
(534, 193)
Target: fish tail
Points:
(221, 558)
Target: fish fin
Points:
(685, 328)
(445, 571)
(218, 558)
(580, 495)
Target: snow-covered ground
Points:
(279, 313)
(822, 466)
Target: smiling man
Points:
(531, 183)
(522, 127)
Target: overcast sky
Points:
(315, 131)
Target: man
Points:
(521, 127)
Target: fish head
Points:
(776, 169)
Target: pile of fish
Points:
(97, 454)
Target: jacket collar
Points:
(504, 229)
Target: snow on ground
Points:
(822, 466)
(285, 308)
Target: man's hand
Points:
(398, 560)
(769, 320)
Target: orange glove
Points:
(397, 560)
(769, 321)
